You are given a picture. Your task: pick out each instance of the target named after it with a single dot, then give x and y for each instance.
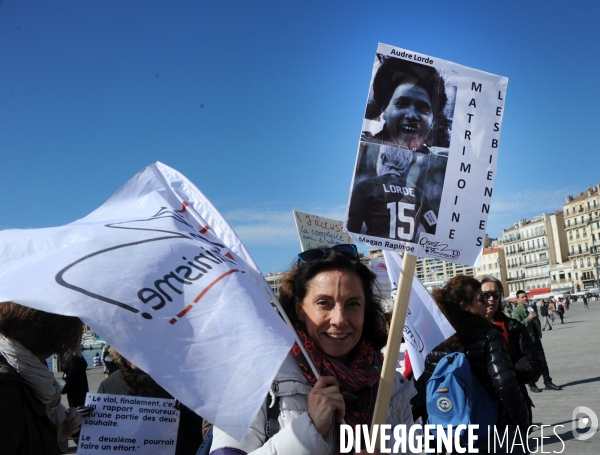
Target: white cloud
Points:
(521, 204)
(274, 227)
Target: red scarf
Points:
(500, 321)
(358, 380)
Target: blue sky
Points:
(260, 103)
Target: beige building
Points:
(530, 247)
(582, 226)
(561, 278)
(435, 272)
(432, 272)
(493, 264)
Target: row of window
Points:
(526, 233)
(514, 287)
(584, 233)
(531, 245)
(527, 259)
(561, 276)
(532, 273)
(580, 208)
(589, 263)
(583, 222)
(580, 249)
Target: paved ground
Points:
(572, 353)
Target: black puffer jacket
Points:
(520, 345)
(491, 365)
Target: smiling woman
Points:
(329, 298)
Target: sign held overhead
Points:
(427, 157)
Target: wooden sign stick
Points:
(388, 373)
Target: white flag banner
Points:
(160, 275)
(425, 326)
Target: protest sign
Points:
(160, 275)
(119, 423)
(424, 172)
(425, 326)
(315, 230)
(427, 158)
(379, 268)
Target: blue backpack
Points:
(455, 396)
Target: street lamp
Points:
(594, 250)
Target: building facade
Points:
(582, 226)
(561, 278)
(493, 264)
(435, 272)
(530, 247)
(432, 272)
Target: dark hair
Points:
(520, 291)
(40, 332)
(393, 72)
(459, 289)
(138, 382)
(491, 279)
(294, 286)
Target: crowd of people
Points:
(331, 298)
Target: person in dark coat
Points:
(528, 317)
(546, 315)
(76, 383)
(33, 420)
(528, 366)
(463, 304)
(130, 380)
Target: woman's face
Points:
(333, 312)
(492, 301)
(409, 116)
(477, 305)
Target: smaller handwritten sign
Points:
(315, 231)
(120, 423)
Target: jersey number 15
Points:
(399, 214)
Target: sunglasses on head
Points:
(347, 250)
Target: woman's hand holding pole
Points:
(324, 402)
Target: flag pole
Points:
(388, 373)
(275, 301)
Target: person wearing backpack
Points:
(521, 350)
(464, 305)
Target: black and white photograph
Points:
(403, 153)
(426, 156)
(396, 191)
(410, 105)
